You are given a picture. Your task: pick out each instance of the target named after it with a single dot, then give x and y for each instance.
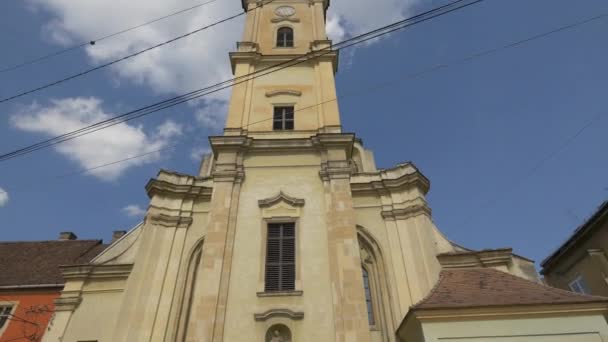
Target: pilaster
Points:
(350, 310)
(206, 321)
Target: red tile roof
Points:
(485, 287)
(37, 262)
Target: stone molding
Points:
(401, 177)
(247, 46)
(286, 313)
(281, 19)
(170, 221)
(291, 92)
(170, 183)
(281, 197)
(67, 303)
(407, 210)
(253, 57)
(485, 258)
(260, 3)
(82, 272)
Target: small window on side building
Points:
(578, 285)
(5, 314)
(283, 119)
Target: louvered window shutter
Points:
(281, 257)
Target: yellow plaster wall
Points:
(264, 179)
(593, 267)
(95, 318)
(573, 328)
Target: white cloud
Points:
(193, 62)
(134, 210)
(353, 17)
(105, 146)
(212, 115)
(3, 197)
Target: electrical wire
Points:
(97, 40)
(124, 58)
(454, 6)
(375, 88)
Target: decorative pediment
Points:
(291, 92)
(281, 205)
(281, 197)
(286, 313)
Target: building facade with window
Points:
(31, 281)
(581, 263)
(290, 232)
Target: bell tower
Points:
(291, 91)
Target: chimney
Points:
(67, 236)
(117, 234)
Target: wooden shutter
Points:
(281, 257)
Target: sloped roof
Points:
(486, 287)
(583, 231)
(37, 262)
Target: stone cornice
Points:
(398, 178)
(161, 187)
(281, 197)
(510, 311)
(485, 258)
(407, 210)
(171, 221)
(67, 303)
(82, 272)
(285, 313)
(253, 57)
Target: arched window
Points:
(285, 37)
(368, 298)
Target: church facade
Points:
(290, 232)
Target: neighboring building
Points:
(30, 281)
(290, 232)
(581, 263)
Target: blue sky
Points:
(512, 142)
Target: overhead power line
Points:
(97, 40)
(443, 10)
(386, 84)
(124, 58)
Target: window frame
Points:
(283, 119)
(281, 264)
(261, 290)
(13, 308)
(282, 40)
(580, 283)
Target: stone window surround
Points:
(276, 33)
(262, 278)
(13, 305)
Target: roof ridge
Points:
(43, 241)
(555, 289)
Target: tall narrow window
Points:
(283, 118)
(368, 297)
(5, 314)
(281, 257)
(285, 37)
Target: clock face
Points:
(285, 11)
